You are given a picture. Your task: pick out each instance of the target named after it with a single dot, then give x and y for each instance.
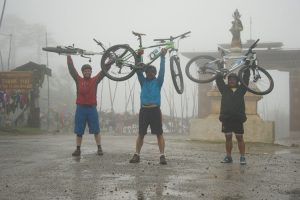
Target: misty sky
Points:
(111, 21)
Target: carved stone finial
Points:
(236, 28)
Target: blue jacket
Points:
(150, 89)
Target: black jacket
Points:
(232, 103)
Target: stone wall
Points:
(209, 128)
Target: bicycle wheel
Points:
(202, 69)
(122, 59)
(176, 74)
(260, 81)
(60, 50)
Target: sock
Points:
(78, 148)
(162, 154)
(99, 146)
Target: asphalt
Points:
(41, 167)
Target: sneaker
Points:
(243, 160)
(135, 159)
(162, 160)
(76, 153)
(227, 159)
(100, 152)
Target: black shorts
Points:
(236, 127)
(152, 117)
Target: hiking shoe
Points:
(243, 160)
(227, 159)
(162, 160)
(100, 152)
(135, 159)
(77, 152)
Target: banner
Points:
(17, 80)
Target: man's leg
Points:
(241, 144)
(78, 140)
(139, 144)
(94, 127)
(80, 122)
(98, 142)
(138, 147)
(228, 144)
(228, 147)
(161, 146)
(143, 125)
(98, 139)
(77, 151)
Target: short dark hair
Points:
(233, 75)
(150, 68)
(86, 66)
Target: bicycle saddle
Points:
(137, 34)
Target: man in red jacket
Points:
(86, 112)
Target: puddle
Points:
(283, 151)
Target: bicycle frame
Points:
(71, 50)
(239, 62)
(168, 44)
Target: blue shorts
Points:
(86, 115)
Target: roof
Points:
(31, 66)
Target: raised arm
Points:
(139, 73)
(101, 75)
(161, 73)
(220, 82)
(246, 77)
(71, 68)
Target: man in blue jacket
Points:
(150, 113)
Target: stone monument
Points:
(236, 28)
(209, 128)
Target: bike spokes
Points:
(176, 74)
(260, 81)
(122, 60)
(202, 69)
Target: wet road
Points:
(41, 167)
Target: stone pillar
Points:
(204, 103)
(209, 128)
(294, 100)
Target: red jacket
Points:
(86, 88)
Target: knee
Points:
(141, 137)
(239, 138)
(228, 137)
(159, 136)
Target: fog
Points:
(77, 22)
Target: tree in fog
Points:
(26, 44)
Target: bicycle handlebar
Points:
(252, 46)
(173, 38)
(99, 43)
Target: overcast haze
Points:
(111, 21)
(78, 21)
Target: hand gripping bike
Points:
(71, 50)
(125, 60)
(203, 69)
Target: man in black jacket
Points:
(232, 114)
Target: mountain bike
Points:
(204, 69)
(71, 50)
(125, 59)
